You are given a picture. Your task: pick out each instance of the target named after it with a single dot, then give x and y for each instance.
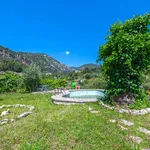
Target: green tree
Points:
(32, 77)
(126, 55)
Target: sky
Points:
(70, 31)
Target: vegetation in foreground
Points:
(68, 127)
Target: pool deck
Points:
(59, 99)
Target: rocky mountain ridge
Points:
(45, 62)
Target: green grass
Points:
(67, 127)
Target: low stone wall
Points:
(22, 115)
(129, 111)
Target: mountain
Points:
(86, 66)
(45, 62)
(75, 68)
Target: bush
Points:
(48, 82)
(10, 82)
(94, 83)
(97, 83)
(32, 77)
(52, 84)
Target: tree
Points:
(32, 77)
(126, 55)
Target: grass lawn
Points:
(68, 127)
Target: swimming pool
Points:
(78, 97)
(86, 94)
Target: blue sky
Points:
(56, 26)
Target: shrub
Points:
(52, 84)
(10, 82)
(97, 83)
(94, 83)
(32, 77)
(48, 82)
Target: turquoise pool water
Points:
(86, 94)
